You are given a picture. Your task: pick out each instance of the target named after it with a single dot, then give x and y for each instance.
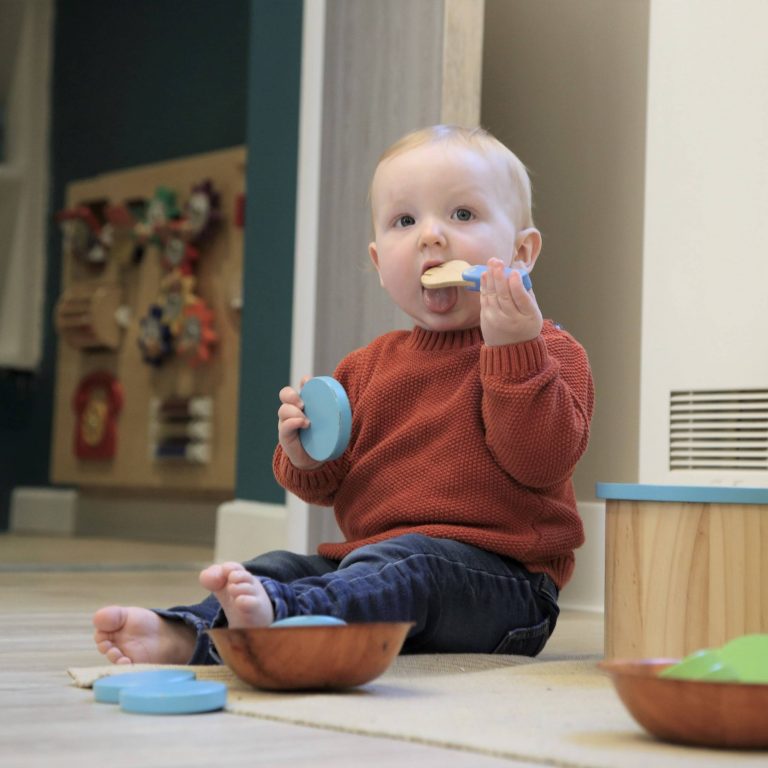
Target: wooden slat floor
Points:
(48, 589)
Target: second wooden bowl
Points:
(307, 658)
(710, 714)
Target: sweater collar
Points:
(428, 341)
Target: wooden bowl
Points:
(307, 658)
(709, 714)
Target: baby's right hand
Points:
(290, 420)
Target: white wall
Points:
(564, 86)
(705, 255)
(24, 180)
(645, 126)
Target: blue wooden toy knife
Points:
(462, 274)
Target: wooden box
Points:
(686, 567)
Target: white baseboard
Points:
(51, 511)
(245, 529)
(149, 518)
(586, 590)
(68, 512)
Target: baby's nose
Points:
(431, 234)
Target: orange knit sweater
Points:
(453, 439)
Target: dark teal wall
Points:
(134, 81)
(139, 81)
(273, 120)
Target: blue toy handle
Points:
(473, 275)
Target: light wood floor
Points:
(49, 587)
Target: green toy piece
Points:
(741, 660)
(706, 664)
(748, 655)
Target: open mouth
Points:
(440, 281)
(444, 274)
(440, 300)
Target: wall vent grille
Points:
(718, 429)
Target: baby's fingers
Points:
(289, 396)
(524, 300)
(494, 287)
(288, 412)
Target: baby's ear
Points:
(527, 247)
(374, 254)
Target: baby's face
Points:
(432, 204)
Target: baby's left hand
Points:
(508, 313)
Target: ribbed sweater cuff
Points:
(516, 360)
(309, 481)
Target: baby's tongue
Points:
(440, 299)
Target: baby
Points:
(454, 495)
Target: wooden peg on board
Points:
(86, 316)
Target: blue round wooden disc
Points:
(107, 689)
(326, 405)
(308, 621)
(185, 698)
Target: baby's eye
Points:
(405, 221)
(463, 214)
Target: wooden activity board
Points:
(148, 325)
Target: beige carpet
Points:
(559, 713)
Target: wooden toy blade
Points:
(446, 275)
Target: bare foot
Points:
(138, 635)
(241, 595)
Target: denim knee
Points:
(285, 566)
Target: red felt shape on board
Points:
(97, 402)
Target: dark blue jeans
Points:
(460, 598)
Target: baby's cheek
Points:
(473, 307)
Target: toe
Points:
(240, 588)
(213, 578)
(115, 655)
(247, 602)
(109, 619)
(233, 570)
(102, 644)
(240, 576)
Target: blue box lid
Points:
(712, 494)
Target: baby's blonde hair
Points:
(482, 141)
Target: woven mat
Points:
(559, 713)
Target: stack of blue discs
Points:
(161, 692)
